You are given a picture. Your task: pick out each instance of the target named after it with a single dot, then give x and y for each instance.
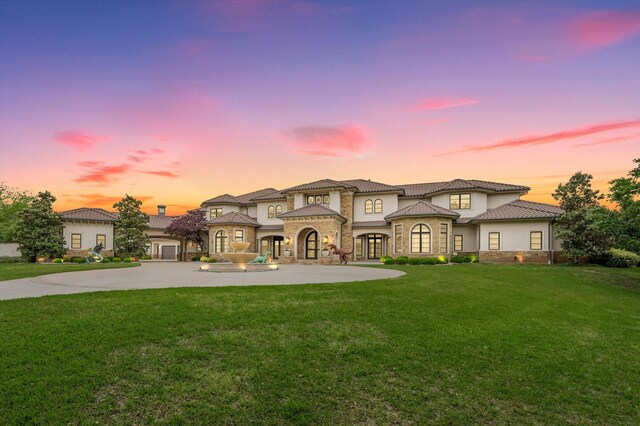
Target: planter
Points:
(324, 253)
(287, 252)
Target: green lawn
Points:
(446, 344)
(12, 271)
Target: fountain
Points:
(240, 261)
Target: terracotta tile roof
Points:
(160, 222)
(271, 228)
(371, 224)
(238, 200)
(275, 195)
(364, 185)
(223, 199)
(520, 209)
(463, 220)
(90, 214)
(312, 210)
(247, 198)
(422, 208)
(320, 184)
(234, 218)
(422, 189)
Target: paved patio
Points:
(182, 274)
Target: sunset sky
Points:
(175, 102)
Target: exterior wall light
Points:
(287, 240)
(325, 239)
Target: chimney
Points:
(162, 209)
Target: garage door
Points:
(169, 252)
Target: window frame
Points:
(271, 212)
(105, 240)
(240, 233)
(489, 241)
(317, 199)
(73, 244)
(368, 207)
(396, 234)
(377, 206)
(446, 237)
(420, 235)
(458, 198)
(217, 210)
(220, 237)
(278, 210)
(455, 242)
(531, 240)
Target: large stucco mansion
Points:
(371, 219)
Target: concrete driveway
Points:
(182, 274)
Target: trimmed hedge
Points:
(383, 258)
(389, 261)
(106, 260)
(195, 258)
(79, 260)
(617, 258)
(116, 260)
(212, 260)
(146, 257)
(57, 260)
(128, 260)
(402, 260)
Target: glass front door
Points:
(311, 246)
(277, 247)
(374, 245)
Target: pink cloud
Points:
(598, 29)
(340, 141)
(443, 103)
(104, 201)
(548, 138)
(97, 173)
(162, 173)
(610, 141)
(79, 140)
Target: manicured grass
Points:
(12, 271)
(444, 344)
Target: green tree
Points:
(12, 202)
(130, 239)
(580, 227)
(624, 222)
(39, 229)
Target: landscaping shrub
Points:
(11, 259)
(389, 261)
(66, 259)
(106, 260)
(383, 258)
(127, 260)
(458, 259)
(57, 260)
(146, 257)
(430, 261)
(195, 258)
(415, 261)
(204, 258)
(212, 260)
(79, 260)
(622, 258)
(116, 260)
(403, 257)
(402, 260)
(471, 259)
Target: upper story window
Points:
(271, 212)
(459, 201)
(317, 199)
(239, 235)
(377, 206)
(278, 210)
(368, 207)
(215, 212)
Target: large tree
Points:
(624, 222)
(190, 227)
(12, 202)
(579, 227)
(131, 239)
(39, 229)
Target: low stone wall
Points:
(538, 257)
(9, 250)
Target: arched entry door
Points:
(311, 245)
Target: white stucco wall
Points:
(334, 200)
(263, 212)
(497, 200)
(406, 202)
(298, 201)
(88, 232)
(389, 205)
(225, 209)
(252, 211)
(514, 236)
(469, 237)
(478, 203)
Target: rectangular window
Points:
(101, 239)
(325, 199)
(398, 232)
(494, 241)
(444, 238)
(535, 240)
(359, 246)
(239, 235)
(215, 212)
(459, 201)
(457, 243)
(317, 199)
(76, 241)
(310, 199)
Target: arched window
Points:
(311, 245)
(278, 210)
(420, 239)
(377, 207)
(270, 212)
(368, 207)
(220, 242)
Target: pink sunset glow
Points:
(182, 101)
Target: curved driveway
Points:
(182, 274)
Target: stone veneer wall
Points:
(249, 236)
(434, 223)
(325, 225)
(497, 256)
(346, 210)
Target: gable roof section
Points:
(90, 214)
(275, 195)
(320, 184)
(422, 208)
(234, 218)
(422, 189)
(364, 185)
(223, 199)
(247, 198)
(520, 209)
(312, 210)
(160, 222)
